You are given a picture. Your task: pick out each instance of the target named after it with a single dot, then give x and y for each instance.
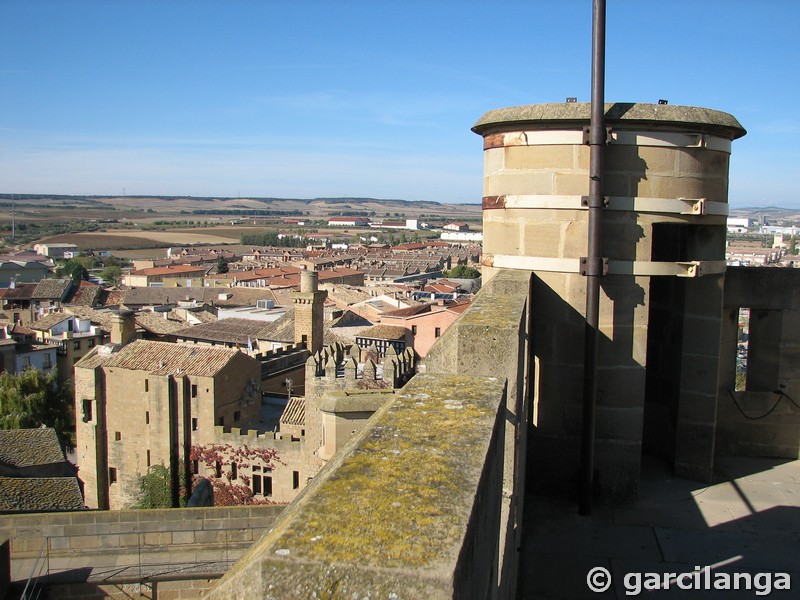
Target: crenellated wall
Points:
(289, 472)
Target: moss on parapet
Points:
(396, 508)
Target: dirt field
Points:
(118, 240)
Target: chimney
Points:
(123, 327)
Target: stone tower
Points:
(663, 243)
(308, 312)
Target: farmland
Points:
(121, 240)
(130, 223)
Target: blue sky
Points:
(369, 98)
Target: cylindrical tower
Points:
(309, 281)
(665, 180)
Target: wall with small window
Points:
(758, 402)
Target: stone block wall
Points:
(157, 531)
(151, 590)
(665, 182)
(290, 459)
(119, 543)
(763, 419)
(493, 339)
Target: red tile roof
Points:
(164, 358)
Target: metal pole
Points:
(593, 268)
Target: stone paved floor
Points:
(747, 521)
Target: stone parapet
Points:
(409, 509)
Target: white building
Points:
(348, 221)
(56, 250)
(462, 236)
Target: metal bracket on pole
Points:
(587, 135)
(586, 200)
(594, 267)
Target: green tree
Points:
(87, 262)
(222, 265)
(31, 399)
(155, 488)
(79, 273)
(463, 272)
(112, 274)
(74, 270)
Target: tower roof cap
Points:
(626, 115)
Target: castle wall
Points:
(289, 472)
(762, 419)
(90, 436)
(141, 420)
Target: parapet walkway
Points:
(747, 521)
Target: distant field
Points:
(47, 218)
(228, 233)
(117, 240)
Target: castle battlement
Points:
(339, 367)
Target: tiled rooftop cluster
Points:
(34, 475)
(163, 358)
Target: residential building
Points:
(21, 350)
(456, 226)
(27, 302)
(74, 337)
(462, 236)
(237, 333)
(348, 221)
(195, 297)
(157, 276)
(425, 323)
(380, 338)
(16, 269)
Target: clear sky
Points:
(370, 98)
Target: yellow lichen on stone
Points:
(403, 496)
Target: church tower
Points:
(308, 311)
